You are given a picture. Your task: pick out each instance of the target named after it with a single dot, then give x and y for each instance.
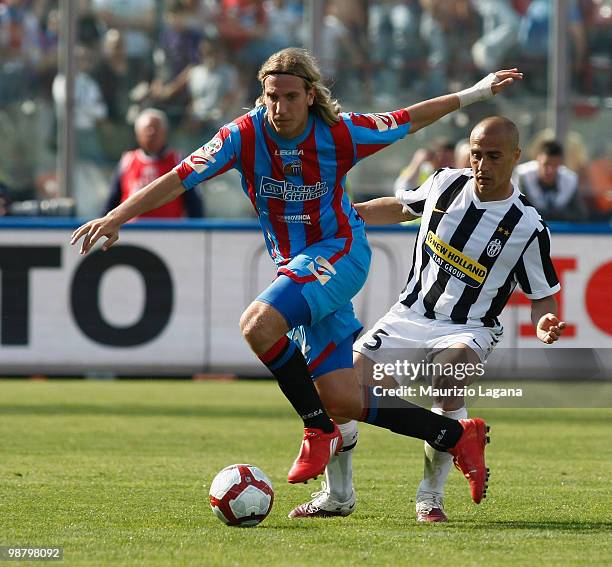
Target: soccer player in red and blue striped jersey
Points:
(296, 184)
(293, 151)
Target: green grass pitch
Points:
(118, 473)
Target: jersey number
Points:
(377, 341)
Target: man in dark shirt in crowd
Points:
(551, 187)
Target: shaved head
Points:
(498, 125)
(494, 151)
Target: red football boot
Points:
(469, 456)
(317, 448)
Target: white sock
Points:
(339, 471)
(437, 463)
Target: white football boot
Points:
(323, 505)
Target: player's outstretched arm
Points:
(428, 111)
(548, 326)
(384, 210)
(158, 193)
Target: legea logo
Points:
(322, 269)
(384, 121)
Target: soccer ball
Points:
(241, 495)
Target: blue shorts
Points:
(327, 278)
(331, 275)
(323, 345)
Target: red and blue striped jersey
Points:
(296, 186)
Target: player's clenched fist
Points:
(93, 230)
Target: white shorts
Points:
(404, 335)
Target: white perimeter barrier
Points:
(166, 300)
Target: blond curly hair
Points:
(300, 63)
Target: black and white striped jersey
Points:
(470, 254)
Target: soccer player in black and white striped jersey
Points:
(479, 238)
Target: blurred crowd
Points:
(561, 183)
(196, 61)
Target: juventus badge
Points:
(494, 248)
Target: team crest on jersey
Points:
(494, 248)
(293, 168)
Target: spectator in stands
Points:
(600, 178)
(48, 41)
(597, 16)
(343, 52)
(19, 49)
(393, 27)
(334, 42)
(500, 23)
(575, 154)
(90, 107)
(533, 37)
(353, 74)
(90, 28)
(462, 154)
(213, 89)
(550, 186)
(244, 28)
(284, 21)
(111, 73)
(441, 153)
(446, 28)
(150, 160)
(184, 24)
(179, 39)
(136, 20)
(90, 113)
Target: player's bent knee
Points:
(262, 325)
(248, 324)
(252, 324)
